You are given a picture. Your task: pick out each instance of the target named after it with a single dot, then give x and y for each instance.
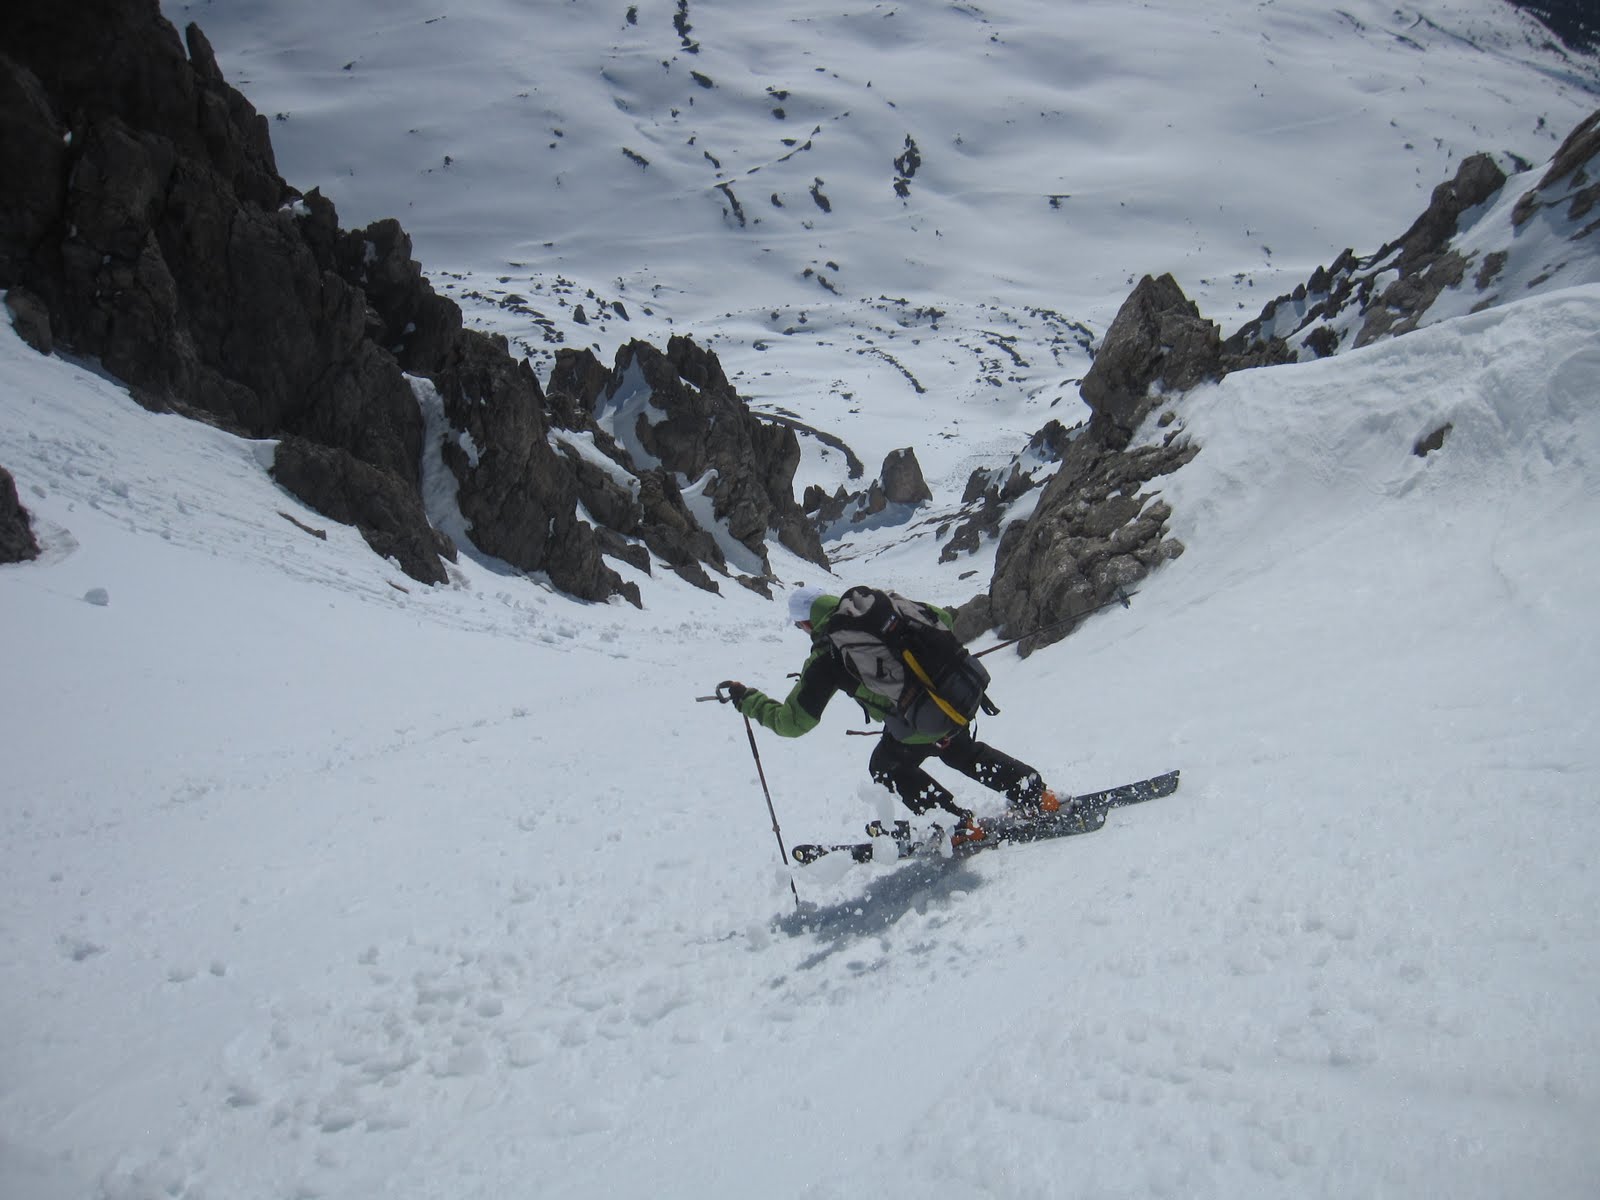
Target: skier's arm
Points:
(800, 711)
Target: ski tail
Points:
(808, 852)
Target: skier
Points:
(895, 763)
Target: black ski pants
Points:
(898, 766)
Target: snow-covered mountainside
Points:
(1486, 239)
(324, 882)
(941, 204)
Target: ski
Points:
(1088, 813)
(1130, 793)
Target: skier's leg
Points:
(993, 768)
(899, 768)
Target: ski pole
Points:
(761, 774)
(1121, 598)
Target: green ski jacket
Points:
(821, 677)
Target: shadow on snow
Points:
(913, 887)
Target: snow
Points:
(320, 882)
(621, 413)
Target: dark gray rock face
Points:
(1572, 182)
(902, 478)
(679, 414)
(31, 319)
(388, 514)
(1390, 291)
(898, 489)
(1159, 339)
(643, 511)
(1097, 530)
(17, 543)
(143, 223)
(517, 492)
(143, 209)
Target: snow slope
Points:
(320, 883)
(316, 887)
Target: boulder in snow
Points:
(17, 542)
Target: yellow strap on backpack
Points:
(944, 705)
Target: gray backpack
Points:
(900, 650)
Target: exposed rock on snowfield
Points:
(17, 543)
(30, 319)
(899, 486)
(143, 223)
(519, 495)
(677, 411)
(1159, 339)
(989, 493)
(1572, 179)
(1357, 301)
(1484, 239)
(1477, 245)
(641, 511)
(1096, 532)
(388, 514)
(902, 478)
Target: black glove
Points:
(730, 691)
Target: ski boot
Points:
(966, 832)
(1043, 805)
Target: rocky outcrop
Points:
(1360, 300)
(1158, 340)
(1423, 258)
(143, 223)
(1571, 182)
(1357, 300)
(1098, 526)
(990, 493)
(518, 494)
(677, 413)
(1097, 530)
(17, 543)
(386, 512)
(143, 209)
(898, 490)
(902, 478)
(31, 319)
(642, 512)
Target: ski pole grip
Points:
(731, 691)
